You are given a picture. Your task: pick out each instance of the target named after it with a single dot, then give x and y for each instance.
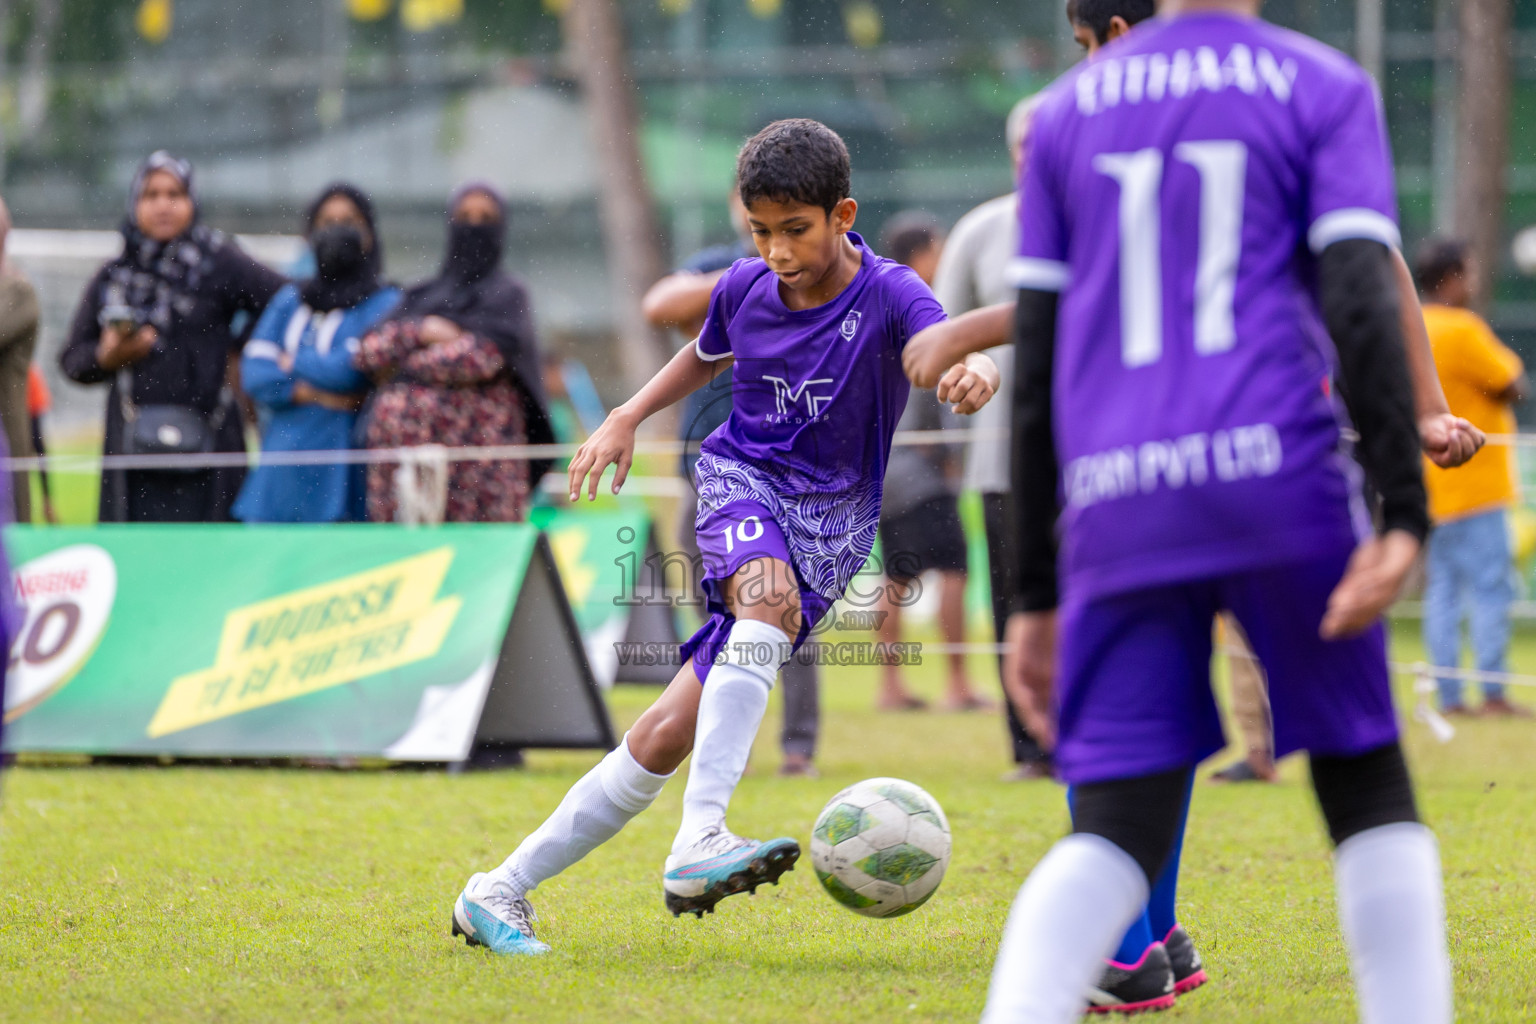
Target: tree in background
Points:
(1482, 144)
(594, 39)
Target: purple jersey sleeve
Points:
(913, 304)
(1351, 192)
(1041, 263)
(714, 340)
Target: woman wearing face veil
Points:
(458, 365)
(298, 366)
(154, 324)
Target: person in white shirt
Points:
(972, 273)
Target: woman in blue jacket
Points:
(298, 367)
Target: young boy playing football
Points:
(789, 502)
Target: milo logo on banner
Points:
(67, 597)
(315, 638)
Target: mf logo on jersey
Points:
(850, 325)
(788, 398)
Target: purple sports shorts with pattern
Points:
(1134, 682)
(729, 537)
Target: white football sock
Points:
(730, 710)
(593, 812)
(1393, 914)
(1069, 916)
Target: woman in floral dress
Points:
(458, 365)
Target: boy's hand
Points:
(969, 385)
(1449, 441)
(927, 356)
(613, 444)
(1371, 581)
(1029, 672)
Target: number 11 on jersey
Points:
(1223, 167)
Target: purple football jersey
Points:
(817, 394)
(1178, 191)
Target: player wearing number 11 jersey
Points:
(1206, 219)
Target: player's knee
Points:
(1363, 791)
(1141, 815)
(662, 738)
(765, 590)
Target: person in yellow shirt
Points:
(1468, 566)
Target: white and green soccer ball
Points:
(880, 847)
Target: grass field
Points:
(193, 894)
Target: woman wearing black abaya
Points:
(154, 324)
(458, 365)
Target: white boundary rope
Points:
(479, 453)
(376, 456)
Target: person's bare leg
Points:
(960, 696)
(1250, 708)
(894, 694)
(662, 737)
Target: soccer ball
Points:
(880, 847)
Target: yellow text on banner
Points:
(312, 639)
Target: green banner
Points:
(295, 641)
(616, 581)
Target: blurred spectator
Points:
(155, 324)
(1468, 564)
(458, 365)
(39, 402)
(920, 528)
(973, 272)
(19, 314)
(298, 366)
(679, 301)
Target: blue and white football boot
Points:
(491, 913)
(720, 864)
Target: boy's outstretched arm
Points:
(933, 351)
(613, 443)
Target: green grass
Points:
(194, 894)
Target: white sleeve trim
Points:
(262, 350)
(706, 356)
(1040, 275)
(1358, 222)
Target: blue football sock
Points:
(1161, 914)
(1138, 939)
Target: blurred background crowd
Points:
(609, 128)
(550, 181)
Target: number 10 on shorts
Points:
(749, 529)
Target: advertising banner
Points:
(223, 641)
(616, 581)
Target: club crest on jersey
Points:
(850, 325)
